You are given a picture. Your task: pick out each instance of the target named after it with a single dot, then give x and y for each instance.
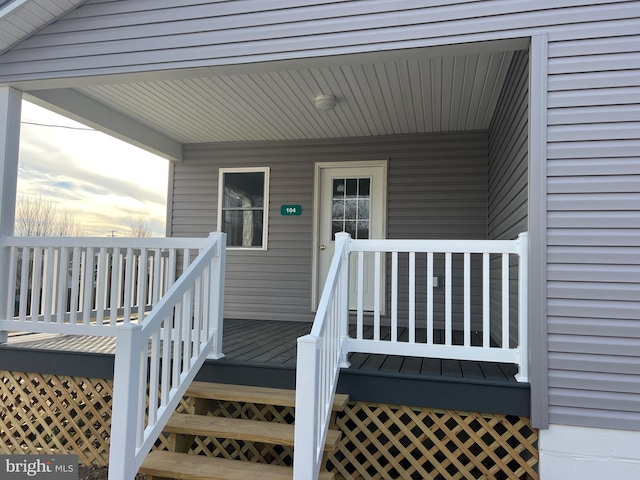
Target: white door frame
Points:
(315, 294)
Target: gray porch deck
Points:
(264, 353)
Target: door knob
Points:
(322, 247)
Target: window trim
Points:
(265, 211)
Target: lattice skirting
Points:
(56, 414)
(50, 414)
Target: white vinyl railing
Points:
(321, 354)
(87, 286)
(125, 288)
(496, 268)
(157, 359)
(462, 295)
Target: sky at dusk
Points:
(104, 182)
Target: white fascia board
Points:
(81, 108)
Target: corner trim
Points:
(538, 346)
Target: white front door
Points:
(350, 197)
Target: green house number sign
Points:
(290, 210)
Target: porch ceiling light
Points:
(325, 102)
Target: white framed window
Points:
(243, 206)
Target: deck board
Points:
(263, 353)
(274, 343)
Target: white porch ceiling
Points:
(390, 96)
(423, 90)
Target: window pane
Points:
(352, 187)
(243, 228)
(336, 226)
(363, 230)
(363, 209)
(364, 186)
(243, 190)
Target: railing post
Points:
(305, 465)
(216, 293)
(124, 418)
(523, 308)
(343, 238)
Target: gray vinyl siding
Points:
(508, 183)
(436, 189)
(594, 230)
(137, 35)
(593, 257)
(508, 155)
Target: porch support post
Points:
(10, 109)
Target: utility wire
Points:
(59, 126)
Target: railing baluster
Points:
(171, 270)
(74, 304)
(448, 324)
(128, 284)
(467, 299)
(157, 276)
(505, 300)
(12, 283)
(360, 314)
(154, 376)
(115, 287)
(197, 315)
(430, 305)
(143, 278)
(101, 279)
(24, 283)
(376, 297)
(36, 285)
(48, 283)
(412, 297)
(63, 291)
(394, 296)
(206, 309)
(142, 397)
(177, 343)
(166, 363)
(89, 262)
(486, 301)
(186, 329)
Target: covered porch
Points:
(395, 317)
(163, 308)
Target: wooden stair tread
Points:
(250, 394)
(240, 429)
(199, 467)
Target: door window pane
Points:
(351, 207)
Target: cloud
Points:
(102, 181)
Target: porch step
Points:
(198, 467)
(183, 428)
(248, 394)
(238, 429)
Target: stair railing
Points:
(156, 360)
(321, 354)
